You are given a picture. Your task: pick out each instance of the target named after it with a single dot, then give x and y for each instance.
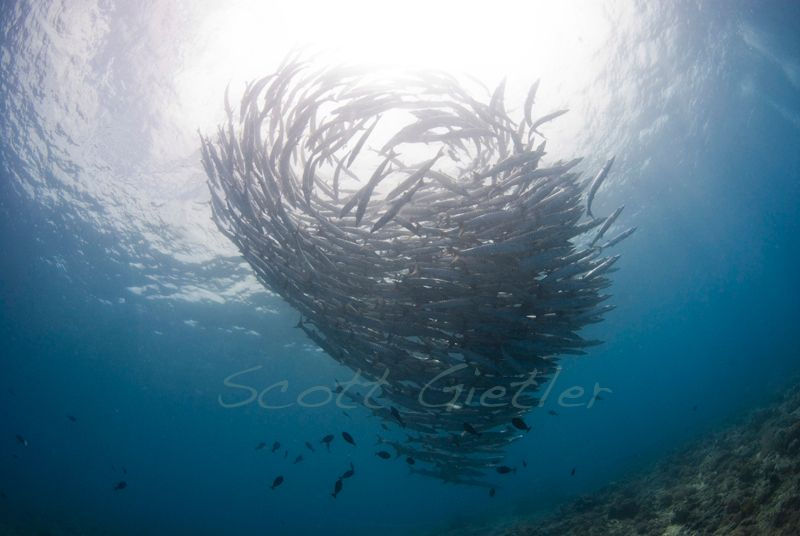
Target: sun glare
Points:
(556, 41)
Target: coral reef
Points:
(740, 481)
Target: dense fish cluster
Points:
(424, 242)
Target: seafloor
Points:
(743, 480)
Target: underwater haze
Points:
(136, 338)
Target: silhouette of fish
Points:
(470, 429)
(350, 472)
(396, 415)
(337, 488)
(520, 424)
(277, 482)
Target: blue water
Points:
(123, 307)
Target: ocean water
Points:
(123, 309)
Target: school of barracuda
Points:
(473, 262)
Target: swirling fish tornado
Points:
(423, 241)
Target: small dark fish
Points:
(520, 424)
(524, 463)
(277, 482)
(572, 473)
(346, 414)
(491, 492)
(350, 472)
(337, 488)
(120, 485)
(396, 415)
(553, 413)
(327, 440)
(384, 427)
(308, 445)
(298, 459)
(598, 397)
(276, 446)
(347, 437)
(261, 446)
(470, 429)
(22, 441)
(504, 469)
(410, 461)
(382, 454)
(72, 418)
